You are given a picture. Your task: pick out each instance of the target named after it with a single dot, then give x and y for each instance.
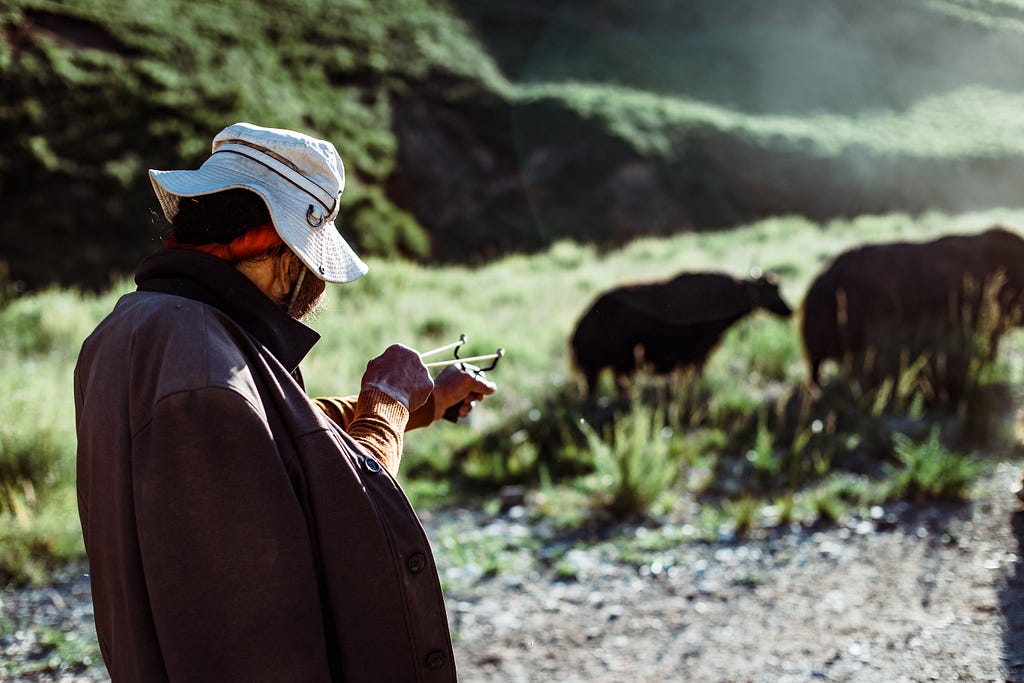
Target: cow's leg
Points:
(814, 370)
(590, 382)
(623, 382)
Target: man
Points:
(236, 529)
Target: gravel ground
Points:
(915, 594)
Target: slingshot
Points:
(452, 414)
(455, 346)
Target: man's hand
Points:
(461, 387)
(399, 373)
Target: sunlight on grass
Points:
(527, 305)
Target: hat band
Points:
(325, 198)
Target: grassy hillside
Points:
(98, 91)
(473, 129)
(782, 57)
(732, 441)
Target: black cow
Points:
(875, 304)
(666, 325)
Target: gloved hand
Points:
(399, 373)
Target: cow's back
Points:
(687, 299)
(905, 287)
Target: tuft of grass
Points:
(930, 471)
(782, 511)
(762, 454)
(566, 571)
(563, 507)
(57, 653)
(634, 463)
(743, 512)
(827, 508)
(471, 554)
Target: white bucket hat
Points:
(299, 177)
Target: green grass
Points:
(55, 652)
(742, 438)
(482, 552)
(39, 340)
(634, 461)
(929, 470)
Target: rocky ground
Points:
(908, 594)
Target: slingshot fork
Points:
(452, 413)
(494, 357)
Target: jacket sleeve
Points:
(226, 552)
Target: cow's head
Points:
(764, 293)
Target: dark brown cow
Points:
(667, 325)
(913, 297)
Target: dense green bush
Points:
(98, 93)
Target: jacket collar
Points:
(201, 277)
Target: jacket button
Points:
(372, 464)
(416, 563)
(435, 660)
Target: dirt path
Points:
(936, 598)
(935, 595)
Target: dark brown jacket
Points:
(234, 533)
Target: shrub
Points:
(930, 471)
(633, 460)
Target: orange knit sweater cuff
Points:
(384, 406)
(379, 425)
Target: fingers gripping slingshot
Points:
(452, 413)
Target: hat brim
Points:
(320, 247)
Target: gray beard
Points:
(305, 303)
(309, 310)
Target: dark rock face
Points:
(487, 176)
